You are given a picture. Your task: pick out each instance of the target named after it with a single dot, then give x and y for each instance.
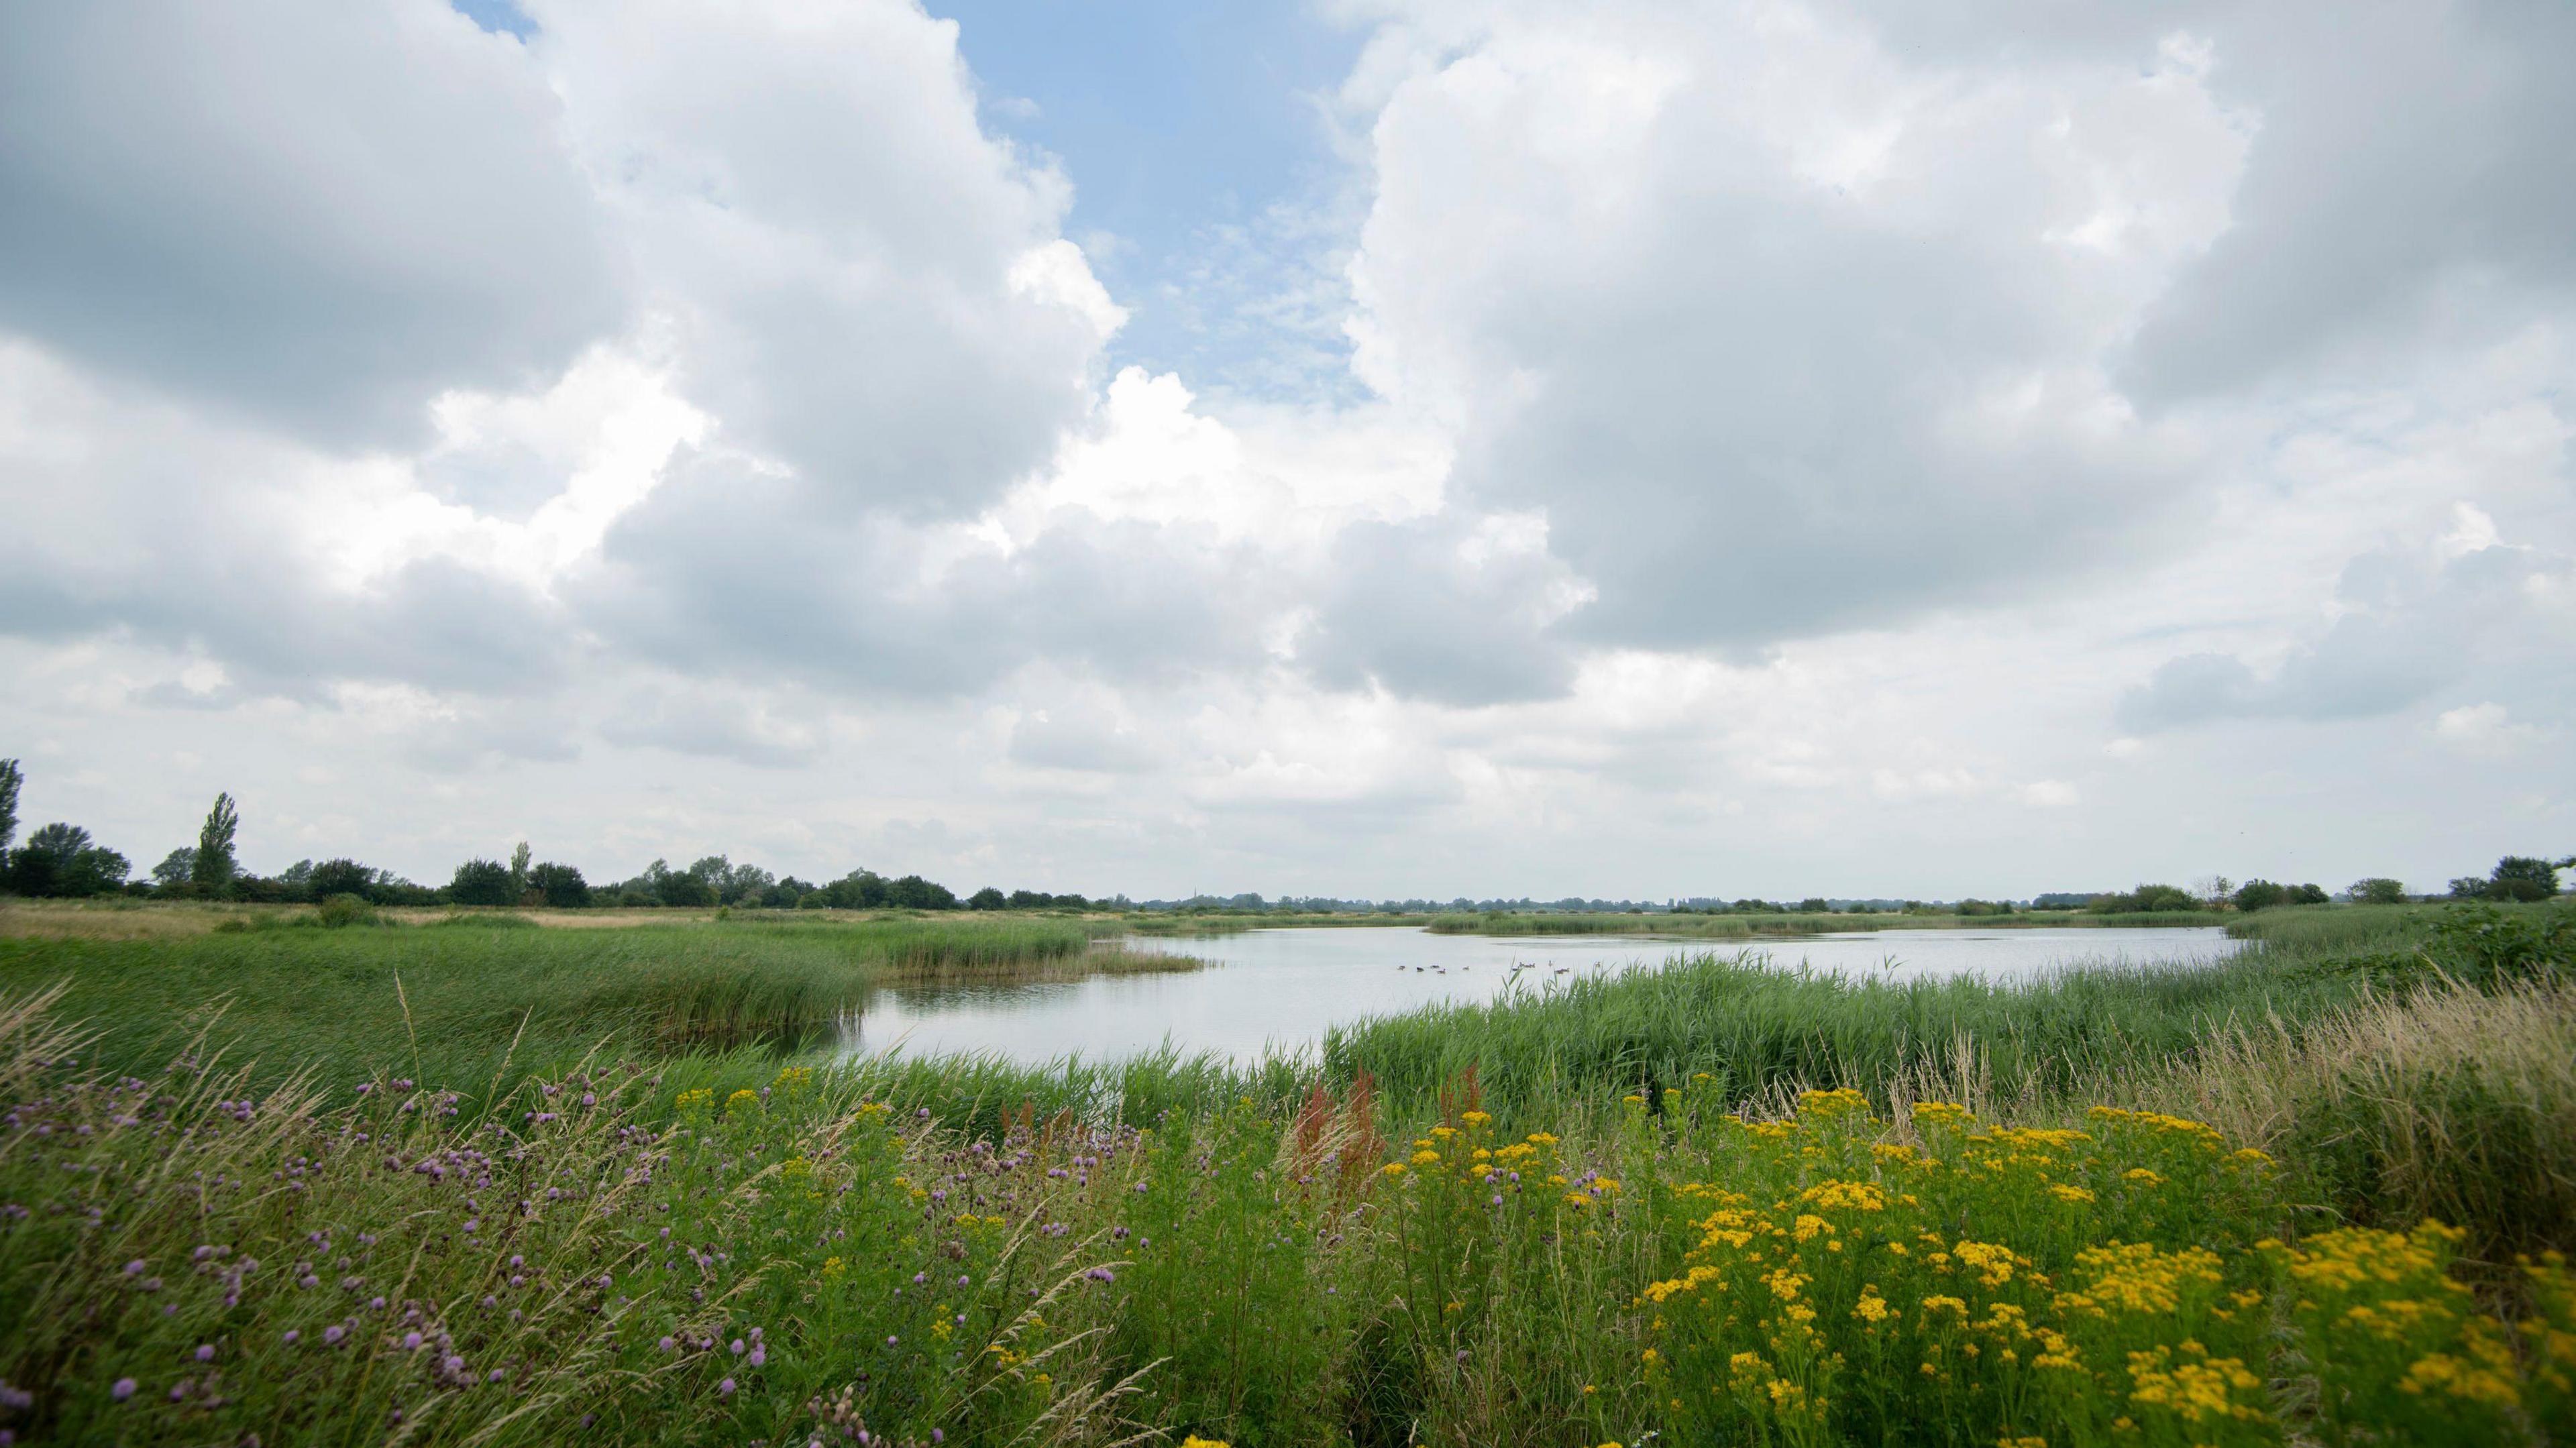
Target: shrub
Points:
(341, 911)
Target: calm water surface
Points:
(1281, 989)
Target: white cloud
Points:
(2038, 448)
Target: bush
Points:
(2377, 890)
(341, 911)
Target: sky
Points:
(1628, 448)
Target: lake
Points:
(1284, 988)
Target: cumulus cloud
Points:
(2412, 623)
(1780, 331)
(316, 214)
(1762, 428)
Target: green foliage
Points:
(327, 998)
(2377, 890)
(215, 866)
(2259, 894)
(483, 882)
(341, 911)
(2522, 877)
(11, 780)
(987, 898)
(60, 860)
(2145, 898)
(560, 886)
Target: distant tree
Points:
(2468, 887)
(342, 876)
(215, 864)
(176, 868)
(558, 885)
(2258, 895)
(10, 779)
(481, 882)
(61, 859)
(915, 893)
(2213, 890)
(2522, 877)
(687, 889)
(1815, 905)
(987, 898)
(2308, 895)
(716, 873)
(2377, 890)
(746, 883)
(859, 890)
(519, 883)
(297, 877)
(2145, 898)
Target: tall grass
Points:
(477, 1001)
(618, 1256)
(2451, 1103)
(1757, 1027)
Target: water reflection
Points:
(1283, 989)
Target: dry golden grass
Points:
(118, 919)
(2451, 1103)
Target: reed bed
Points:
(1757, 1027)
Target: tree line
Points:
(62, 861)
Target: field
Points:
(2308, 1195)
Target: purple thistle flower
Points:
(737, 1347)
(758, 1356)
(291, 1336)
(334, 1333)
(123, 1390)
(134, 1268)
(411, 1342)
(725, 1388)
(205, 1352)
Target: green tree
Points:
(60, 859)
(176, 868)
(2308, 895)
(10, 779)
(559, 885)
(342, 876)
(215, 865)
(2522, 877)
(2377, 890)
(2259, 894)
(915, 893)
(481, 882)
(987, 898)
(1815, 905)
(519, 871)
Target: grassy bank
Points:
(483, 999)
(1791, 924)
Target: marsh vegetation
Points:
(587, 1184)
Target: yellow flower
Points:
(1394, 1168)
(2070, 1194)
(1476, 1118)
(697, 1100)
